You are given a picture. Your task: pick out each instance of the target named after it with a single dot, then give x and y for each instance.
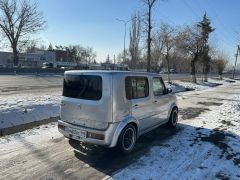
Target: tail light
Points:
(61, 126)
(95, 136)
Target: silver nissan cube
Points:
(113, 108)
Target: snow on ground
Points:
(181, 86)
(32, 136)
(25, 108)
(206, 147)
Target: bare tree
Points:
(91, 54)
(191, 42)
(149, 4)
(120, 58)
(32, 47)
(18, 19)
(157, 52)
(79, 54)
(134, 40)
(168, 34)
(220, 62)
(180, 59)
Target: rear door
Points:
(137, 91)
(160, 100)
(87, 100)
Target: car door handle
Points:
(155, 102)
(136, 105)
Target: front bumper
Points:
(108, 133)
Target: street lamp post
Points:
(124, 40)
(234, 69)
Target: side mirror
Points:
(169, 90)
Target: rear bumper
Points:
(108, 133)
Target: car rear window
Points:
(87, 87)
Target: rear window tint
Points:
(87, 87)
(136, 87)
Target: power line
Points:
(224, 34)
(224, 28)
(164, 17)
(189, 7)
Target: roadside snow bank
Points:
(181, 86)
(26, 108)
(206, 147)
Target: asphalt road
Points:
(59, 158)
(17, 84)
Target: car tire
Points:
(127, 139)
(173, 119)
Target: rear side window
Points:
(87, 87)
(136, 87)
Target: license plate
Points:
(76, 132)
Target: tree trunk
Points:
(15, 56)
(149, 41)
(220, 76)
(168, 68)
(205, 77)
(193, 72)
(206, 70)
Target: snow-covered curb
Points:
(35, 135)
(25, 108)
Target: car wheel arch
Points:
(121, 126)
(172, 107)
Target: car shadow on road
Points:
(109, 160)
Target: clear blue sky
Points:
(93, 22)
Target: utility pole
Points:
(114, 61)
(238, 51)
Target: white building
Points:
(33, 60)
(5, 58)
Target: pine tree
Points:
(108, 59)
(50, 47)
(206, 29)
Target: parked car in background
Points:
(47, 65)
(173, 71)
(66, 68)
(163, 72)
(113, 108)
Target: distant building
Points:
(5, 59)
(110, 66)
(27, 60)
(58, 58)
(36, 59)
